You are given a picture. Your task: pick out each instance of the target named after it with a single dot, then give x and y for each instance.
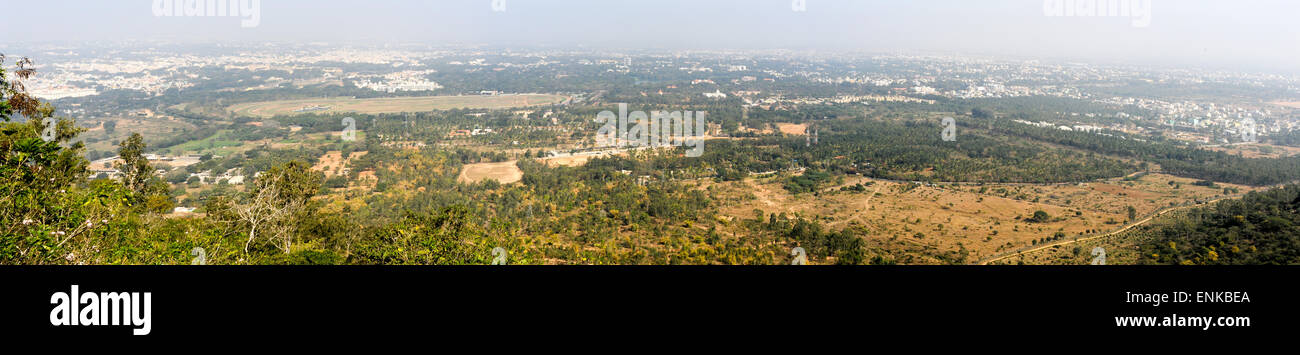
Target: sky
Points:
(1252, 35)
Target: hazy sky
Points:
(1232, 34)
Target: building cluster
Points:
(409, 80)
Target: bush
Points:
(1039, 217)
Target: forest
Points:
(1263, 228)
(1173, 158)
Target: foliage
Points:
(1263, 228)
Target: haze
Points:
(1238, 35)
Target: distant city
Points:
(67, 73)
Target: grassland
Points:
(97, 139)
(391, 105)
(1258, 150)
(984, 220)
(792, 129)
(1120, 248)
(217, 144)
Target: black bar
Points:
(445, 304)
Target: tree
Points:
(135, 169)
(294, 182)
(178, 176)
(13, 94)
(149, 193)
(442, 237)
(1040, 217)
(264, 211)
(46, 216)
(280, 198)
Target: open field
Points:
(332, 163)
(569, 160)
(1120, 246)
(390, 105)
(792, 129)
(218, 144)
(158, 127)
(575, 159)
(1258, 150)
(503, 172)
(984, 220)
(1291, 104)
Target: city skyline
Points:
(1240, 35)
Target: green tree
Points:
(1040, 217)
(149, 192)
(444, 237)
(135, 169)
(46, 215)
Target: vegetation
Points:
(1259, 229)
(392, 197)
(1171, 157)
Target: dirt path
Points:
(866, 203)
(1107, 235)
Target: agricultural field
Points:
(98, 138)
(792, 129)
(574, 160)
(503, 172)
(390, 105)
(217, 144)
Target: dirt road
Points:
(1107, 235)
